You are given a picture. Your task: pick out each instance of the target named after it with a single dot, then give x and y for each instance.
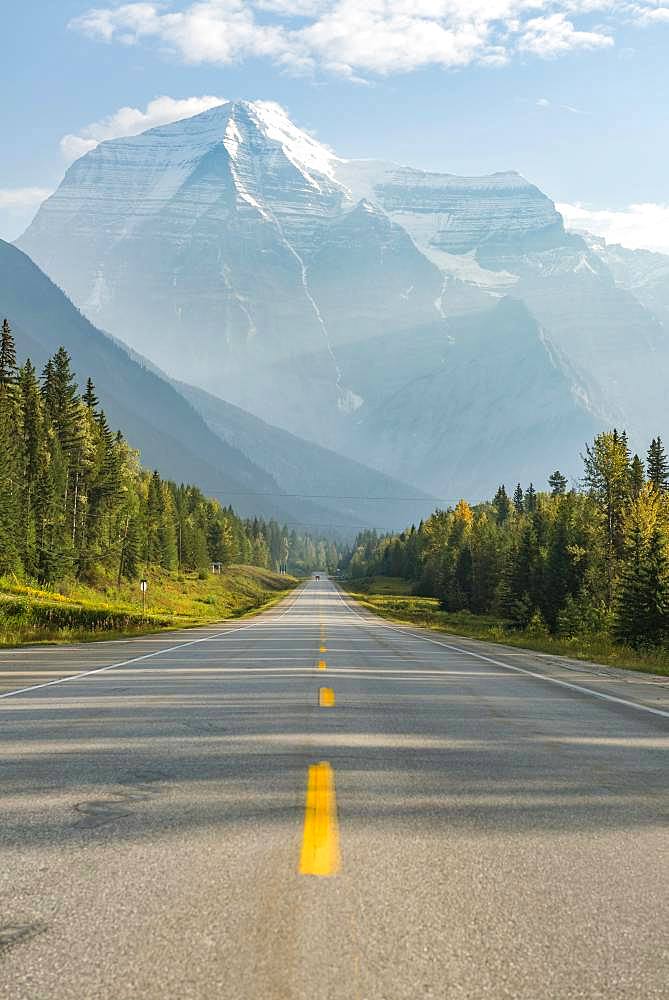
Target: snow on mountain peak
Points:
(304, 152)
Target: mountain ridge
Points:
(271, 256)
(167, 429)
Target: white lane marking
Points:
(233, 658)
(519, 670)
(136, 659)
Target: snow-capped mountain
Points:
(325, 294)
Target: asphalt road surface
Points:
(318, 804)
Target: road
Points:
(318, 804)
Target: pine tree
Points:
(11, 477)
(658, 465)
(167, 534)
(629, 626)
(131, 549)
(519, 597)
(557, 483)
(8, 369)
(559, 580)
(59, 391)
(530, 499)
(89, 398)
(502, 505)
(518, 499)
(34, 461)
(607, 477)
(155, 509)
(655, 588)
(643, 604)
(55, 554)
(637, 477)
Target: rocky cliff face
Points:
(246, 258)
(453, 215)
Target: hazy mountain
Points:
(644, 273)
(420, 414)
(244, 257)
(501, 234)
(156, 418)
(301, 467)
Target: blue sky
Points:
(572, 93)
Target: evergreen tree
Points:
(59, 391)
(89, 399)
(637, 477)
(34, 455)
(129, 563)
(502, 505)
(530, 499)
(607, 477)
(643, 603)
(655, 587)
(10, 456)
(518, 499)
(557, 483)
(8, 369)
(658, 465)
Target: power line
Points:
(326, 496)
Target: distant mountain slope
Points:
(171, 435)
(467, 403)
(244, 257)
(302, 467)
(644, 273)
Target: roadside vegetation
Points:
(81, 522)
(582, 572)
(76, 612)
(427, 612)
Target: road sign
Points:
(143, 585)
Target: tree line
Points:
(76, 502)
(590, 560)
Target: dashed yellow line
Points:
(323, 649)
(326, 698)
(322, 665)
(320, 839)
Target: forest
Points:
(586, 560)
(77, 504)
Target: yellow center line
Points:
(320, 839)
(323, 649)
(326, 698)
(322, 665)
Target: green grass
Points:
(76, 612)
(382, 585)
(426, 611)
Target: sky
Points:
(574, 94)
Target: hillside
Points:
(155, 417)
(305, 468)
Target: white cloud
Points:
(651, 14)
(554, 35)
(353, 37)
(25, 197)
(641, 226)
(544, 103)
(132, 121)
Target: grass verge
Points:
(426, 611)
(80, 613)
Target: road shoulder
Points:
(647, 690)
